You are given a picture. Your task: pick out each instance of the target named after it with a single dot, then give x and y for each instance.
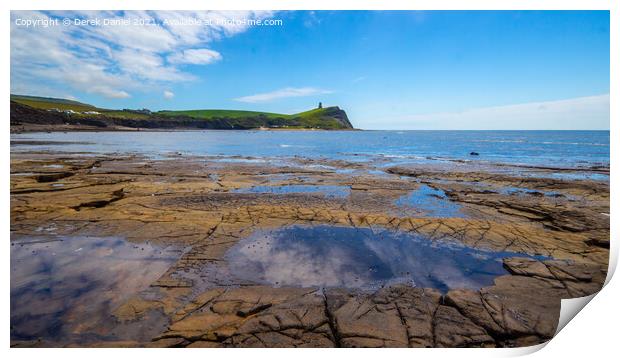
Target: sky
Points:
(386, 69)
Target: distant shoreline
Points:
(34, 128)
(30, 113)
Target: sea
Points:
(561, 149)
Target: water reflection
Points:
(512, 190)
(332, 256)
(329, 191)
(64, 287)
(430, 202)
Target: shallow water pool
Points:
(430, 202)
(63, 287)
(329, 191)
(334, 256)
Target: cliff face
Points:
(327, 118)
(339, 115)
(22, 114)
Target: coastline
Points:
(206, 206)
(51, 114)
(82, 128)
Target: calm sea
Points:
(547, 148)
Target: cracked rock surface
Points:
(203, 207)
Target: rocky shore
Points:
(204, 206)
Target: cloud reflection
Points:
(332, 256)
(69, 286)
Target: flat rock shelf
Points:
(160, 248)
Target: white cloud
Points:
(195, 57)
(110, 93)
(147, 65)
(168, 94)
(577, 113)
(282, 93)
(114, 61)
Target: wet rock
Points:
(47, 178)
(263, 310)
(392, 317)
(579, 279)
(527, 267)
(299, 322)
(135, 308)
(178, 203)
(527, 304)
(115, 196)
(452, 329)
(172, 283)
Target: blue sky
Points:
(388, 70)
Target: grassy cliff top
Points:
(321, 118)
(327, 118)
(49, 103)
(231, 113)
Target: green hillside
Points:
(49, 103)
(315, 118)
(61, 104)
(220, 113)
(318, 118)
